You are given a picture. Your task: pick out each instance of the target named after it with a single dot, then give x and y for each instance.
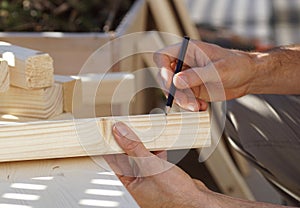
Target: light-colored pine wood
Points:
(108, 88)
(82, 137)
(28, 68)
(68, 183)
(103, 93)
(165, 20)
(4, 76)
(70, 51)
(37, 103)
(72, 91)
(186, 21)
(224, 171)
(6, 119)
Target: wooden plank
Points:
(226, 174)
(165, 20)
(69, 51)
(28, 68)
(37, 103)
(6, 119)
(72, 51)
(72, 91)
(102, 93)
(86, 137)
(4, 76)
(68, 183)
(109, 88)
(186, 21)
(124, 46)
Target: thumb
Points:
(129, 141)
(147, 163)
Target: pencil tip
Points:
(167, 110)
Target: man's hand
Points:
(154, 182)
(211, 72)
(151, 180)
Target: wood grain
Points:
(86, 137)
(68, 183)
(4, 76)
(72, 91)
(36, 103)
(28, 68)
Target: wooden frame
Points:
(71, 50)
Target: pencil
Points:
(180, 61)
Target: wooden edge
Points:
(165, 20)
(89, 137)
(72, 91)
(110, 88)
(186, 21)
(4, 76)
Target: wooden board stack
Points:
(27, 87)
(28, 69)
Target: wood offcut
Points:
(36, 103)
(28, 68)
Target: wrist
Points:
(276, 71)
(263, 70)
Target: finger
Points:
(119, 164)
(167, 55)
(124, 176)
(129, 141)
(203, 105)
(165, 79)
(196, 76)
(147, 163)
(161, 154)
(186, 100)
(212, 92)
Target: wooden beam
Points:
(37, 103)
(87, 137)
(226, 174)
(72, 91)
(28, 68)
(165, 20)
(109, 88)
(186, 21)
(4, 76)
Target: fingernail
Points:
(192, 107)
(121, 129)
(181, 81)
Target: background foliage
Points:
(62, 15)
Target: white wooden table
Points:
(73, 182)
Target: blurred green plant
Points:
(62, 15)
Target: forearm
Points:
(217, 200)
(276, 71)
(229, 202)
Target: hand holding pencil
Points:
(209, 73)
